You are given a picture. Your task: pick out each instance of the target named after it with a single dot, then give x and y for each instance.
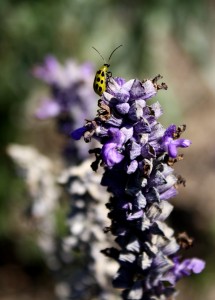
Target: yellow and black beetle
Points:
(102, 75)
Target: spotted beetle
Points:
(102, 75)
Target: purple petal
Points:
(182, 143)
(128, 132)
(170, 131)
(157, 132)
(48, 108)
(121, 93)
(170, 193)
(46, 72)
(137, 90)
(142, 126)
(136, 110)
(110, 155)
(194, 265)
(132, 167)
(135, 215)
(135, 150)
(114, 121)
(123, 108)
(117, 136)
(120, 81)
(78, 133)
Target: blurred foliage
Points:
(68, 28)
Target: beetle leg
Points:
(109, 74)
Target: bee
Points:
(102, 75)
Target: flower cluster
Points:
(86, 220)
(71, 97)
(138, 154)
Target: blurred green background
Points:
(173, 38)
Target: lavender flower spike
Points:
(70, 90)
(70, 98)
(137, 154)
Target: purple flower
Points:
(71, 98)
(52, 72)
(171, 144)
(111, 150)
(184, 268)
(71, 91)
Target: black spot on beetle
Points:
(100, 89)
(102, 81)
(97, 86)
(98, 79)
(103, 74)
(98, 72)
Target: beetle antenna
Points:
(99, 53)
(113, 52)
